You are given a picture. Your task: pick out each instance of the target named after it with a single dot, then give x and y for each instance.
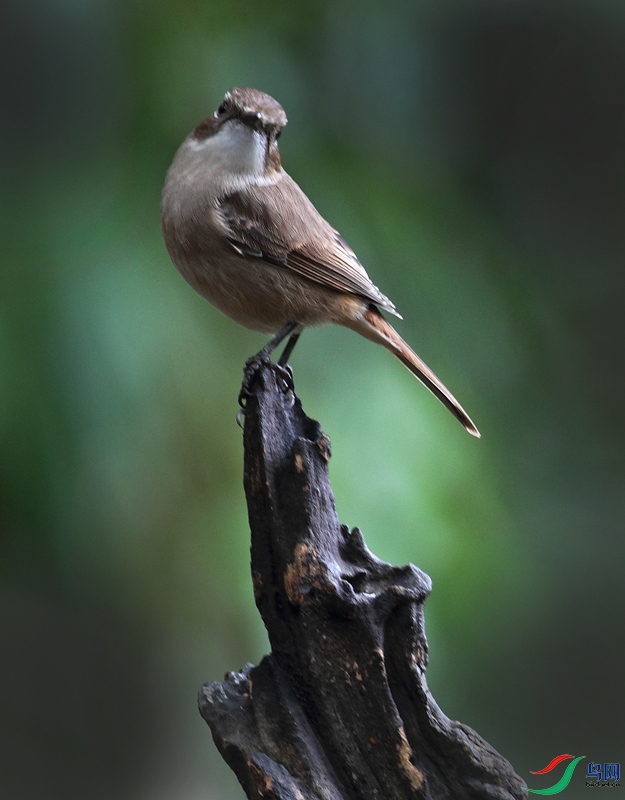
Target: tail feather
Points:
(378, 329)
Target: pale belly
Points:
(264, 297)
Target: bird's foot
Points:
(283, 376)
(282, 372)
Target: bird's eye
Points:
(223, 107)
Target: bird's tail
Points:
(373, 326)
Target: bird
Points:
(245, 236)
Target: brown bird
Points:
(246, 237)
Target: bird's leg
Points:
(286, 376)
(286, 353)
(279, 337)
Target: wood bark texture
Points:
(340, 710)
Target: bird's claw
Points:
(284, 382)
(284, 378)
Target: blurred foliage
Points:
(472, 154)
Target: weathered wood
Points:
(341, 708)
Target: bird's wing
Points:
(278, 223)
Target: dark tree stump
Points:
(341, 708)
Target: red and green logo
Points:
(564, 780)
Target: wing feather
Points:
(279, 224)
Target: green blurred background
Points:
(473, 154)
